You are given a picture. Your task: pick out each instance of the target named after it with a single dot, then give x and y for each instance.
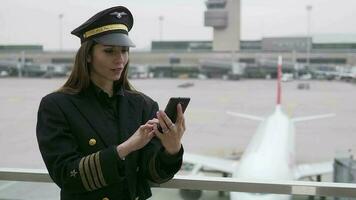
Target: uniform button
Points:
(137, 169)
(92, 142)
(105, 198)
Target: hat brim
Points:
(115, 39)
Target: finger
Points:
(151, 134)
(161, 121)
(153, 121)
(179, 114)
(158, 134)
(166, 119)
(147, 127)
(155, 126)
(183, 124)
(172, 126)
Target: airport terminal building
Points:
(191, 58)
(225, 56)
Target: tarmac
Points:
(210, 130)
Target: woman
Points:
(98, 137)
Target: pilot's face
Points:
(108, 62)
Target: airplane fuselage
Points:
(270, 154)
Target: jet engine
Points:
(190, 194)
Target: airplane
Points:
(270, 155)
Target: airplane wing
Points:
(307, 118)
(246, 116)
(201, 161)
(313, 169)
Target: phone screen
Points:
(171, 108)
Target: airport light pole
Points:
(309, 41)
(160, 18)
(21, 64)
(60, 17)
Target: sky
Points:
(38, 21)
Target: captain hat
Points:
(108, 27)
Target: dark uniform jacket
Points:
(79, 149)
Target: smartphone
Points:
(171, 108)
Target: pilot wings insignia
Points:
(118, 14)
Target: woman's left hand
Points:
(172, 133)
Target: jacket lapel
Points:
(123, 114)
(129, 115)
(92, 112)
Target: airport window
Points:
(27, 60)
(247, 60)
(335, 46)
(213, 6)
(323, 60)
(20, 48)
(62, 60)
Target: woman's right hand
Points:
(138, 140)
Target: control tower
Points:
(224, 17)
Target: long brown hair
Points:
(79, 79)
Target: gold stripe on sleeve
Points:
(98, 167)
(88, 174)
(93, 171)
(82, 175)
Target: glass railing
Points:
(24, 190)
(32, 182)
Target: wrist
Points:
(123, 150)
(173, 151)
